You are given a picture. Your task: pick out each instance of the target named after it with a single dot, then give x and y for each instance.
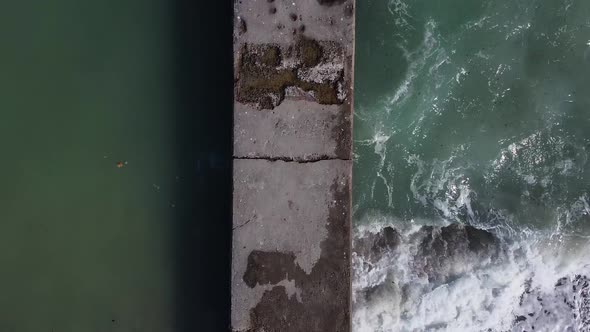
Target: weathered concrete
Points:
(292, 132)
(292, 165)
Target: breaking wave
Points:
(472, 190)
(460, 278)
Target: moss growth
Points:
(271, 56)
(265, 55)
(258, 84)
(261, 82)
(310, 52)
(324, 93)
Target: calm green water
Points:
(84, 245)
(478, 113)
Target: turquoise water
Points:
(85, 245)
(474, 112)
(489, 100)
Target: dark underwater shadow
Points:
(204, 101)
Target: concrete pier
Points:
(292, 165)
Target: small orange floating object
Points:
(120, 164)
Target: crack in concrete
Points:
(242, 225)
(313, 159)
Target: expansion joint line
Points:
(312, 159)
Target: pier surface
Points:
(293, 67)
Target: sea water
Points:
(472, 113)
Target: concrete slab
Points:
(294, 130)
(323, 20)
(293, 71)
(290, 231)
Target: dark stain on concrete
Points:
(279, 312)
(262, 76)
(331, 2)
(348, 10)
(341, 133)
(242, 27)
(325, 292)
(270, 268)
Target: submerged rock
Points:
(375, 245)
(445, 252)
(454, 276)
(442, 252)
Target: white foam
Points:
(482, 296)
(400, 11)
(389, 294)
(416, 62)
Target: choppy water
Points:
(473, 113)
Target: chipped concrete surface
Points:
(292, 165)
(267, 73)
(269, 205)
(274, 79)
(291, 130)
(330, 23)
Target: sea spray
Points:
(472, 174)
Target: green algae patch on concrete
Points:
(310, 51)
(266, 71)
